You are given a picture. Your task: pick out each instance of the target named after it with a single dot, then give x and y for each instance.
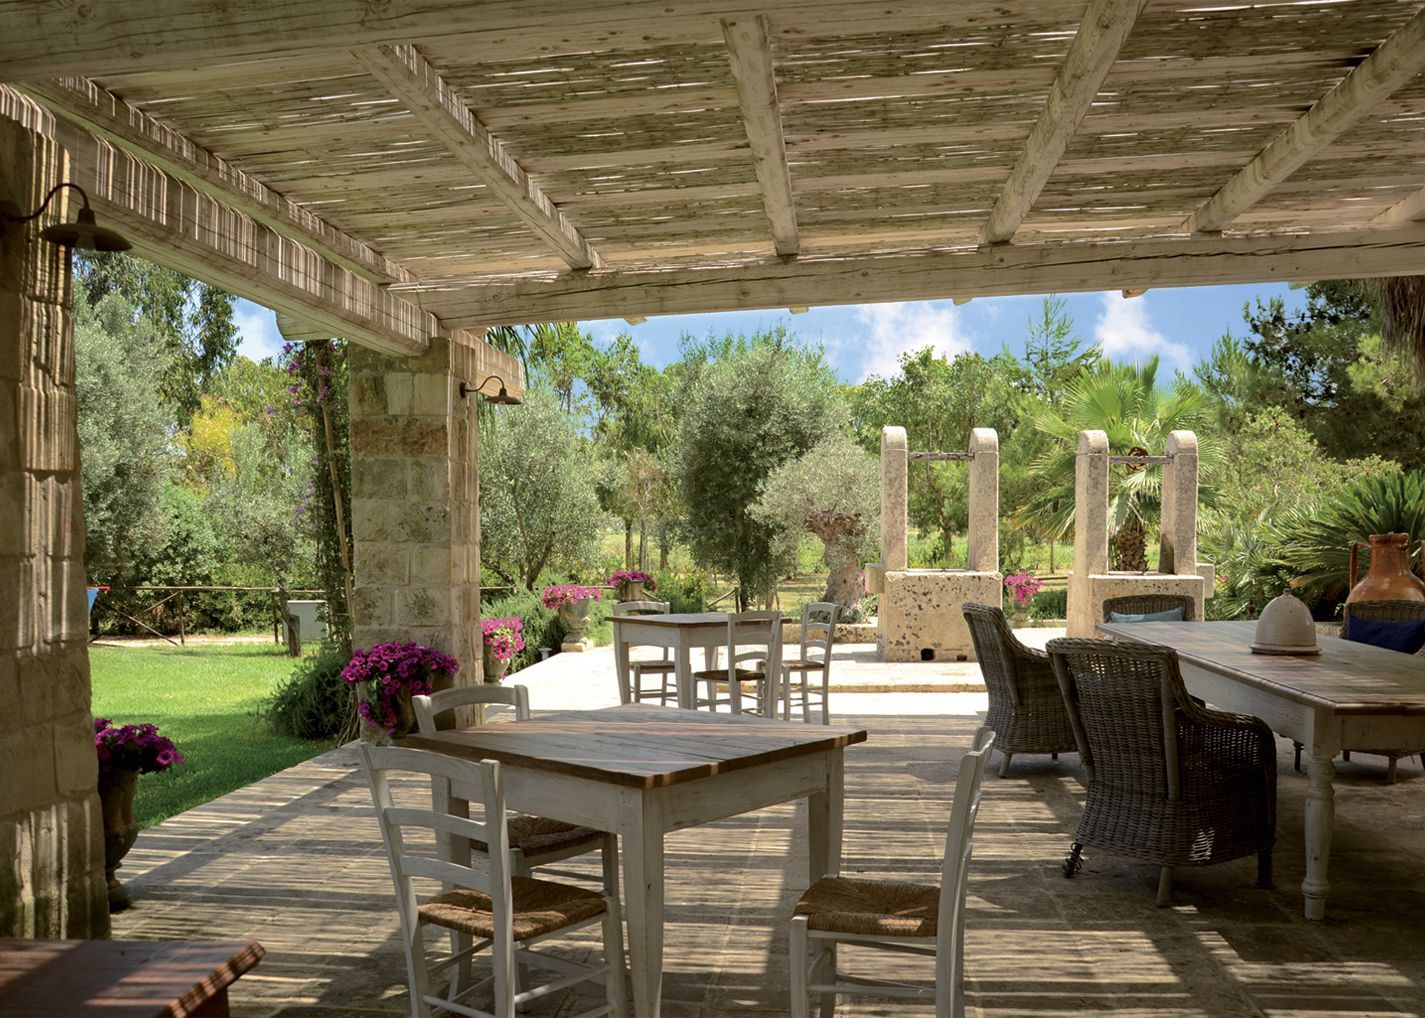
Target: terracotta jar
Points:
(116, 804)
(1390, 577)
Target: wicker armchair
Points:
(1026, 708)
(1380, 611)
(1170, 782)
(1148, 604)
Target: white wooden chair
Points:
(664, 668)
(893, 916)
(486, 907)
(815, 656)
(754, 657)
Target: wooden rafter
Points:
(1002, 270)
(105, 114)
(175, 225)
(422, 90)
(1397, 60)
(1105, 28)
(1410, 209)
(749, 48)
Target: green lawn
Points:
(204, 698)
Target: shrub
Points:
(1050, 604)
(314, 702)
(685, 593)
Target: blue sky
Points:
(1179, 325)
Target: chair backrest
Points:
(818, 630)
(428, 707)
(1123, 701)
(753, 636)
(1382, 611)
(412, 858)
(642, 608)
(994, 643)
(959, 840)
(1150, 604)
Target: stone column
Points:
(415, 515)
(51, 831)
(983, 555)
(1090, 528)
(1178, 533)
(895, 466)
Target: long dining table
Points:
(1350, 696)
(641, 772)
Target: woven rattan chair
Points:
(482, 907)
(1026, 708)
(818, 634)
(662, 668)
(754, 658)
(1170, 782)
(1150, 604)
(892, 915)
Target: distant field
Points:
(203, 697)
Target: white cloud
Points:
(895, 328)
(1126, 333)
(257, 331)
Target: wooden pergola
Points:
(392, 172)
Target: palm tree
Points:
(1127, 403)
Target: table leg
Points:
(625, 693)
(1320, 820)
(643, 890)
(824, 810)
(683, 668)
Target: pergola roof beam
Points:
(749, 48)
(97, 110)
(1003, 270)
(421, 89)
(1105, 28)
(1397, 60)
(1410, 209)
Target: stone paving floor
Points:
(295, 862)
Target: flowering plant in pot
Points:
(572, 601)
(389, 674)
(125, 752)
(632, 584)
(504, 638)
(1022, 587)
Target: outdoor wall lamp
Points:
(84, 233)
(503, 397)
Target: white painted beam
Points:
(1001, 270)
(422, 91)
(1105, 28)
(749, 48)
(106, 115)
(1394, 63)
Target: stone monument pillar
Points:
(895, 469)
(1178, 538)
(983, 551)
(1090, 529)
(51, 832)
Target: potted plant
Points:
(503, 640)
(573, 602)
(632, 584)
(125, 752)
(389, 674)
(1022, 587)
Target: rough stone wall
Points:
(51, 837)
(415, 501)
(923, 610)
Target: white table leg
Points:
(1320, 821)
(621, 662)
(643, 890)
(824, 811)
(683, 668)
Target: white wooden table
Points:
(641, 771)
(1351, 696)
(683, 633)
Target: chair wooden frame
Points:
(483, 782)
(665, 667)
(766, 678)
(808, 661)
(812, 952)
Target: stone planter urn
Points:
(494, 669)
(1389, 577)
(574, 617)
(630, 592)
(116, 803)
(1020, 618)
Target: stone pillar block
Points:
(1090, 528)
(1178, 533)
(984, 501)
(895, 467)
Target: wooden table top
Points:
(685, 619)
(1347, 677)
(639, 745)
(117, 978)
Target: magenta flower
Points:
(137, 747)
(390, 669)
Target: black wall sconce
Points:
(84, 233)
(503, 397)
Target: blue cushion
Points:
(1171, 615)
(1406, 637)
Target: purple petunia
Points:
(390, 669)
(138, 747)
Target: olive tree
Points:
(833, 492)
